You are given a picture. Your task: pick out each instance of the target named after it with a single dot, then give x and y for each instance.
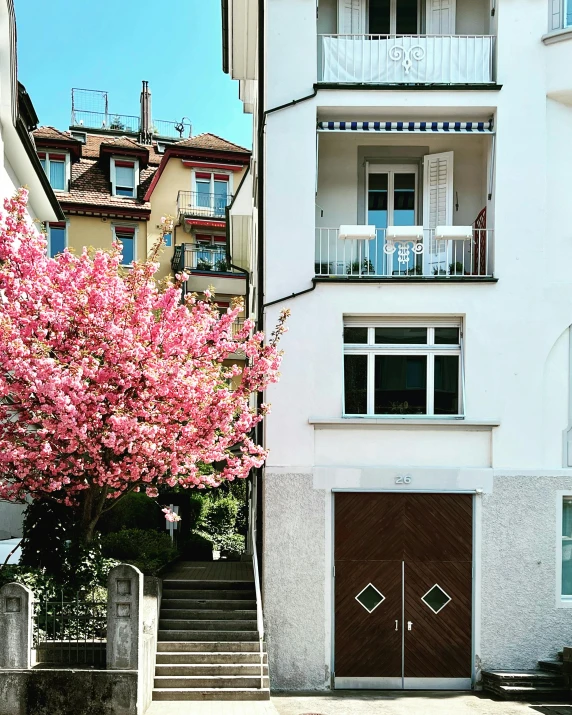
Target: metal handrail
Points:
(195, 202)
(259, 614)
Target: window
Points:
(80, 136)
(124, 177)
(210, 253)
(168, 239)
(566, 587)
(560, 14)
(55, 166)
(390, 17)
(57, 238)
(395, 370)
(568, 14)
(127, 236)
(212, 192)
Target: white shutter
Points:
(555, 15)
(437, 208)
(351, 17)
(440, 17)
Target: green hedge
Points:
(145, 549)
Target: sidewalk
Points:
(363, 703)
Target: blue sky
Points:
(114, 44)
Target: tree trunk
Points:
(91, 507)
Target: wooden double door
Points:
(403, 590)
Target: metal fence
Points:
(105, 120)
(197, 203)
(70, 632)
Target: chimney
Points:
(146, 131)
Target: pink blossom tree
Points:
(109, 384)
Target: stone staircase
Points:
(208, 646)
(543, 683)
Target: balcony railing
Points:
(407, 59)
(105, 120)
(190, 257)
(381, 258)
(195, 203)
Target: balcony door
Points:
(396, 17)
(393, 17)
(392, 200)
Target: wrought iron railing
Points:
(402, 258)
(196, 203)
(105, 120)
(70, 632)
(407, 59)
(205, 259)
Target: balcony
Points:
(407, 59)
(208, 267)
(427, 257)
(199, 204)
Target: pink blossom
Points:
(170, 515)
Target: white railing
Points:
(407, 59)
(259, 614)
(381, 258)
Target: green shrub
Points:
(133, 511)
(232, 543)
(220, 517)
(198, 507)
(147, 550)
(196, 547)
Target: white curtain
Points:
(407, 59)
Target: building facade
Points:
(417, 498)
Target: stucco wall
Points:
(520, 621)
(11, 520)
(97, 233)
(293, 582)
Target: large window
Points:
(395, 370)
(127, 236)
(124, 177)
(212, 192)
(566, 589)
(57, 238)
(55, 166)
(390, 17)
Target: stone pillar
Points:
(124, 617)
(16, 626)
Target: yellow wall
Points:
(97, 233)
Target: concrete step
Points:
(208, 604)
(225, 624)
(205, 681)
(196, 658)
(211, 694)
(210, 669)
(524, 684)
(206, 635)
(185, 584)
(535, 693)
(206, 614)
(552, 665)
(231, 594)
(207, 646)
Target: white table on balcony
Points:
(385, 59)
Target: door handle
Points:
(396, 625)
(409, 625)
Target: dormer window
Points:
(56, 167)
(124, 177)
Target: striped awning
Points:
(409, 127)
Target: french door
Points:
(392, 200)
(403, 591)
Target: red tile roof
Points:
(211, 141)
(53, 133)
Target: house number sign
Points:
(403, 479)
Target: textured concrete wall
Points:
(124, 617)
(150, 608)
(520, 620)
(16, 609)
(293, 582)
(67, 692)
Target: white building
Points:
(413, 166)
(19, 166)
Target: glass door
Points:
(393, 17)
(392, 198)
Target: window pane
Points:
(355, 336)
(125, 177)
(355, 384)
(404, 200)
(43, 163)
(122, 191)
(203, 194)
(57, 240)
(568, 16)
(128, 249)
(406, 17)
(446, 336)
(377, 200)
(57, 175)
(220, 197)
(401, 336)
(379, 17)
(400, 384)
(168, 238)
(567, 546)
(446, 384)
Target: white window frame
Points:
(79, 136)
(67, 167)
(429, 349)
(124, 224)
(135, 176)
(211, 184)
(49, 237)
(561, 600)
